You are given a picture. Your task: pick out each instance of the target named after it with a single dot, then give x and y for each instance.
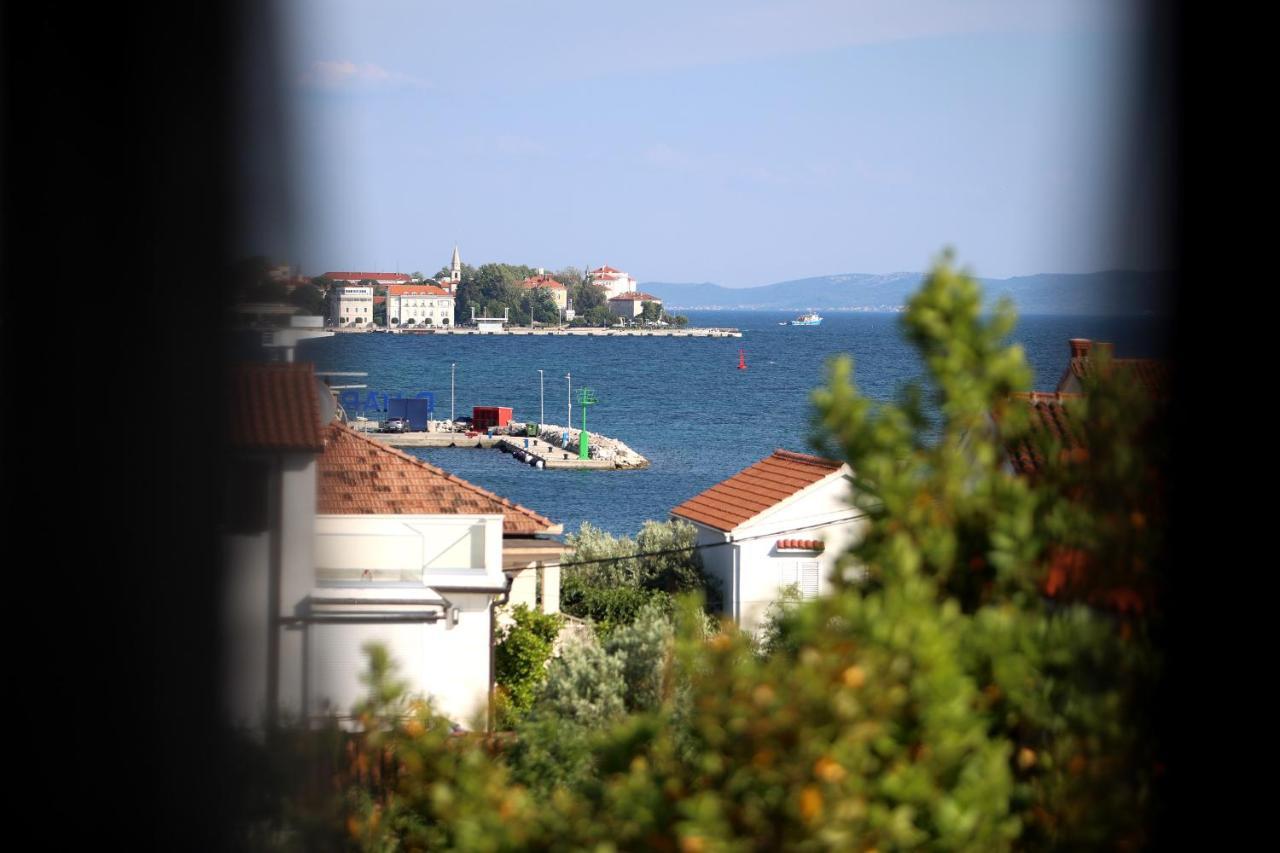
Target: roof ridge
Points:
(805, 458)
(1046, 396)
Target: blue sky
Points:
(736, 142)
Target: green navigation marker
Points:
(586, 397)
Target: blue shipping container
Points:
(416, 411)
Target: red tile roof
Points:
(416, 290)
(542, 281)
(274, 407)
(1152, 375)
(1050, 418)
(361, 276)
(606, 269)
(361, 475)
(728, 504)
(635, 296)
(799, 545)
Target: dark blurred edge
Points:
(117, 187)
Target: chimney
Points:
(1080, 347)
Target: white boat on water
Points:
(810, 319)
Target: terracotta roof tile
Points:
(541, 281)
(360, 475)
(416, 290)
(1050, 418)
(274, 407)
(799, 545)
(635, 296)
(1152, 375)
(728, 504)
(361, 276)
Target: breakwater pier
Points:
(544, 450)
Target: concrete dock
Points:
(550, 455)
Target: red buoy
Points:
(742, 360)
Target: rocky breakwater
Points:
(598, 446)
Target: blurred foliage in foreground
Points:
(986, 688)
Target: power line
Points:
(666, 551)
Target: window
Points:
(808, 570)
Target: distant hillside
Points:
(1113, 292)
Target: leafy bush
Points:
(611, 579)
(520, 658)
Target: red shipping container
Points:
(484, 417)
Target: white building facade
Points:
(337, 540)
(615, 282)
(782, 522)
(351, 305)
(630, 305)
(419, 306)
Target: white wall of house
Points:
(629, 308)
(447, 662)
(752, 570)
(615, 284)
(247, 589)
(447, 550)
(385, 559)
(382, 560)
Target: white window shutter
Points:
(809, 578)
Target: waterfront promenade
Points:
(581, 332)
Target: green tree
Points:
(650, 311)
(309, 298)
(521, 656)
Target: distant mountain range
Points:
(1099, 293)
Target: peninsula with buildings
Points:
(493, 298)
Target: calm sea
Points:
(681, 402)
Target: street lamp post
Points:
(569, 410)
(451, 370)
(542, 402)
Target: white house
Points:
(419, 305)
(784, 520)
(615, 282)
(630, 305)
(351, 305)
(335, 539)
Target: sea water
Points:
(681, 402)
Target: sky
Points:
(730, 141)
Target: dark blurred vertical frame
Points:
(122, 199)
(1150, 204)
